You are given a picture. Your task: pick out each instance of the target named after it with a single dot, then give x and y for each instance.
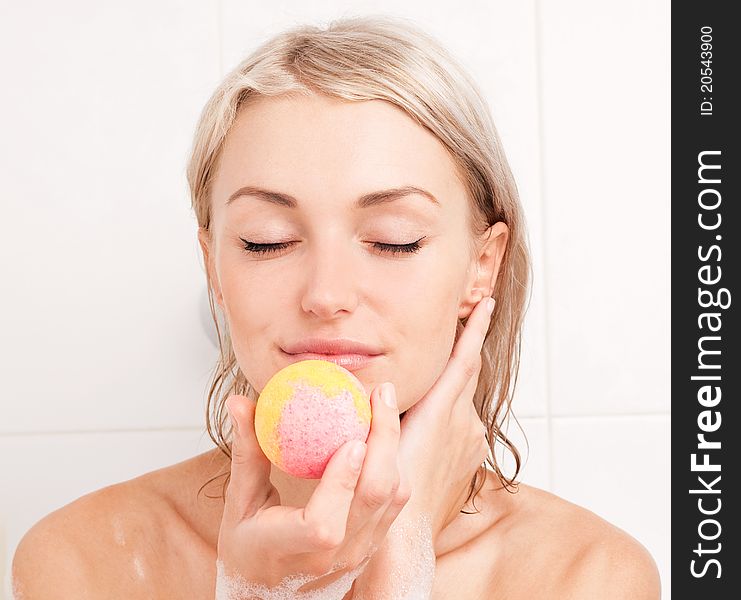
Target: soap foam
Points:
(412, 563)
(235, 587)
(411, 573)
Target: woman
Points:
(354, 204)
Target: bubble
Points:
(411, 575)
(413, 558)
(235, 587)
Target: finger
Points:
(469, 343)
(380, 475)
(476, 436)
(465, 360)
(397, 503)
(325, 515)
(249, 481)
(468, 392)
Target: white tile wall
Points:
(99, 251)
(605, 99)
(618, 467)
(104, 359)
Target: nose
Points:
(330, 281)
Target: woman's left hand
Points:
(442, 445)
(443, 440)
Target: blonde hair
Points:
(382, 58)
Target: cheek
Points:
(251, 292)
(251, 316)
(431, 324)
(426, 349)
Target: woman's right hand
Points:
(261, 542)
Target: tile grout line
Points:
(549, 418)
(601, 416)
(544, 237)
(8, 434)
(615, 416)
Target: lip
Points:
(330, 346)
(346, 353)
(351, 362)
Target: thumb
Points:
(249, 481)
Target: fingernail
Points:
(357, 453)
(490, 303)
(389, 397)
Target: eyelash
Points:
(389, 248)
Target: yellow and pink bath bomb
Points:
(306, 411)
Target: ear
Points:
(206, 241)
(485, 268)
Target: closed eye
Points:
(399, 248)
(264, 248)
(254, 248)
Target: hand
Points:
(443, 440)
(442, 445)
(262, 543)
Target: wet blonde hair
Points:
(383, 58)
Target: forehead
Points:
(319, 147)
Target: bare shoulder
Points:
(615, 566)
(587, 556)
(89, 546)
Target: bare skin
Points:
(153, 537)
(332, 275)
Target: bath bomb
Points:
(306, 411)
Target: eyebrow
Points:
(365, 201)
